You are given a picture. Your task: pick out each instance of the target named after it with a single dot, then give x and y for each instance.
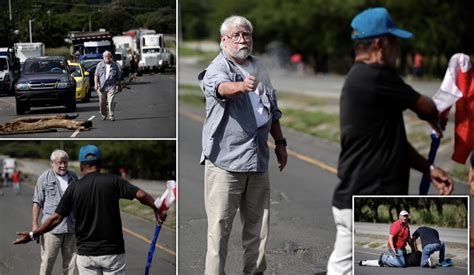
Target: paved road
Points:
(146, 110)
(15, 214)
(453, 235)
(302, 230)
(283, 80)
(364, 254)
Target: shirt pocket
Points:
(51, 190)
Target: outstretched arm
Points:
(48, 225)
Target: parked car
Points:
(45, 81)
(83, 92)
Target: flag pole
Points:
(151, 250)
(426, 179)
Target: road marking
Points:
(77, 131)
(292, 153)
(143, 238)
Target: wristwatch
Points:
(32, 237)
(280, 141)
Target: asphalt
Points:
(15, 214)
(368, 254)
(146, 110)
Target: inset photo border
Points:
(416, 226)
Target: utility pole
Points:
(10, 8)
(31, 33)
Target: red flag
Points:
(464, 118)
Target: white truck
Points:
(152, 53)
(123, 59)
(9, 70)
(27, 50)
(9, 165)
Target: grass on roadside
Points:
(61, 51)
(318, 124)
(134, 207)
(203, 57)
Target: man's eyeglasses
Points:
(236, 36)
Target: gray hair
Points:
(235, 20)
(58, 153)
(107, 53)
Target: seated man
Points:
(431, 243)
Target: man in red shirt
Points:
(397, 241)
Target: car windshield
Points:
(50, 66)
(3, 64)
(75, 71)
(90, 63)
(152, 50)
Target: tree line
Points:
(54, 19)
(142, 159)
(320, 30)
(449, 212)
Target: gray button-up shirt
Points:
(231, 139)
(47, 195)
(109, 83)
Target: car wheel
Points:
(21, 107)
(71, 105)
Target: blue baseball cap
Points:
(375, 22)
(89, 152)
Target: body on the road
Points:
(107, 80)
(49, 190)
(241, 110)
(376, 156)
(94, 201)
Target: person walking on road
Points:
(94, 201)
(107, 81)
(376, 156)
(50, 188)
(16, 181)
(241, 110)
(398, 238)
(430, 244)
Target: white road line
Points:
(77, 131)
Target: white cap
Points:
(403, 213)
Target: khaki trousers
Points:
(50, 246)
(106, 101)
(224, 193)
(340, 261)
(105, 264)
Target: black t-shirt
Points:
(94, 200)
(374, 153)
(427, 235)
(472, 158)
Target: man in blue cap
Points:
(94, 200)
(376, 156)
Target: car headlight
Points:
(160, 62)
(62, 85)
(22, 86)
(78, 83)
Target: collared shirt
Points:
(48, 193)
(108, 81)
(231, 139)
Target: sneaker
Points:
(360, 263)
(431, 264)
(111, 118)
(104, 117)
(380, 260)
